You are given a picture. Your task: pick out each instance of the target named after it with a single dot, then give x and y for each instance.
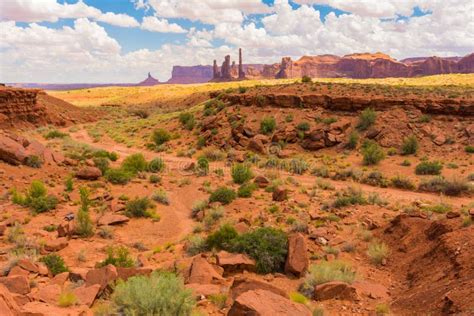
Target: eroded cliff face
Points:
(33, 107)
(20, 105)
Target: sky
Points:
(93, 41)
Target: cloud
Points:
(52, 11)
(154, 24)
(120, 19)
(206, 11)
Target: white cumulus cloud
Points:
(154, 24)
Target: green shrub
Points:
(202, 166)
(350, 196)
(33, 161)
(118, 176)
(36, 198)
(156, 165)
(119, 257)
(161, 196)
(298, 166)
(289, 118)
(372, 153)
(187, 120)
(69, 184)
(267, 246)
(469, 149)
(154, 179)
(328, 271)
(353, 140)
(223, 195)
(439, 208)
(113, 156)
(213, 154)
(375, 178)
(222, 239)
(135, 163)
(67, 299)
(246, 190)
(410, 145)
(429, 168)
(55, 134)
(201, 142)
(198, 207)
(55, 263)
(242, 89)
(213, 216)
(402, 182)
(101, 163)
(378, 252)
(85, 227)
(453, 187)
(425, 118)
(161, 293)
(366, 119)
(160, 136)
(303, 126)
(267, 125)
(241, 173)
(306, 79)
(138, 207)
(195, 245)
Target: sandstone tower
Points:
(241, 67)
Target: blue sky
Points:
(121, 40)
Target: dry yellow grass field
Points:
(166, 94)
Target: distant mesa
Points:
(150, 81)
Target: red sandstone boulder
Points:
(48, 294)
(335, 290)
(102, 276)
(235, 262)
(257, 146)
(206, 290)
(297, 259)
(16, 284)
(243, 284)
(89, 173)
(86, 294)
(280, 194)
(112, 219)
(266, 303)
(202, 272)
(11, 151)
(56, 244)
(261, 181)
(8, 305)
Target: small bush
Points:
(452, 187)
(298, 166)
(402, 182)
(350, 196)
(119, 257)
(353, 140)
(154, 179)
(69, 184)
(375, 178)
(33, 161)
(306, 79)
(202, 168)
(101, 163)
(156, 165)
(55, 134)
(118, 176)
(469, 149)
(160, 136)
(246, 190)
(214, 154)
(241, 173)
(55, 263)
(195, 245)
(213, 216)
(429, 168)
(298, 298)
(267, 125)
(138, 207)
(327, 271)
(187, 120)
(366, 119)
(36, 198)
(425, 118)
(161, 293)
(222, 239)
(134, 164)
(242, 89)
(198, 207)
(85, 227)
(267, 246)
(372, 153)
(161, 197)
(223, 195)
(378, 252)
(410, 145)
(303, 126)
(67, 299)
